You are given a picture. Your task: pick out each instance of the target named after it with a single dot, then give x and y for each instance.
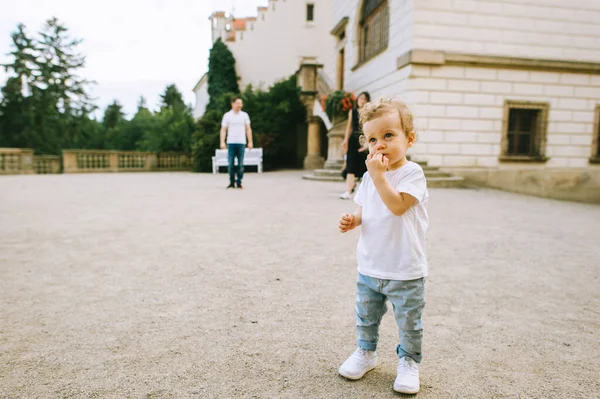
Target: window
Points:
(310, 12)
(596, 143)
(524, 136)
(522, 126)
(374, 28)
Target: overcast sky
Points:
(133, 47)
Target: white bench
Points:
(253, 157)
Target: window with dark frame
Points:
(310, 12)
(524, 135)
(374, 27)
(522, 129)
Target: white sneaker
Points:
(407, 379)
(346, 195)
(358, 364)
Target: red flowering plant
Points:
(338, 103)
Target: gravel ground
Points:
(166, 285)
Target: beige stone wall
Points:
(459, 111)
(379, 74)
(271, 47)
(574, 184)
(459, 107)
(550, 29)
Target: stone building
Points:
(505, 93)
(270, 46)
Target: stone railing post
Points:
(151, 162)
(27, 165)
(69, 161)
(113, 161)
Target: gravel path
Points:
(166, 285)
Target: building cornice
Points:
(340, 26)
(202, 81)
(439, 58)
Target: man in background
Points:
(236, 127)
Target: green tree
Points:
(206, 139)
(113, 115)
(173, 125)
(59, 92)
(112, 124)
(222, 86)
(276, 115)
(44, 102)
(142, 104)
(133, 131)
(222, 78)
(16, 115)
(16, 108)
(172, 97)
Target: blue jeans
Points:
(408, 301)
(236, 151)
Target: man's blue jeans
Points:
(236, 151)
(408, 301)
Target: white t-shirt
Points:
(236, 126)
(393, 247)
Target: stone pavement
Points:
(166, 285)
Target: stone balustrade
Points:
(22, 161)
(15, 161)
(173, 161)
(90, 161)
(46, 164)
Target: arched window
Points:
(374, 28)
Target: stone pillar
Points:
(69, 161)
(307, 81)
(151, 162)
(313, 159)
(113, 161)
(27, 166)
(335, 152)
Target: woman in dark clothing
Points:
(355, 158)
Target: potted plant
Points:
(338, 104)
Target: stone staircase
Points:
(435, 177)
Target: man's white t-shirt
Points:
(393, 247)
(236, 122)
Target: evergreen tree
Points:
(112, 123)
(173, 125)
(142, 104)
(44, 102)
(172, 97)
(222, 78)
(60, 93)
(16, 108)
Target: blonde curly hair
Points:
(385, 106)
